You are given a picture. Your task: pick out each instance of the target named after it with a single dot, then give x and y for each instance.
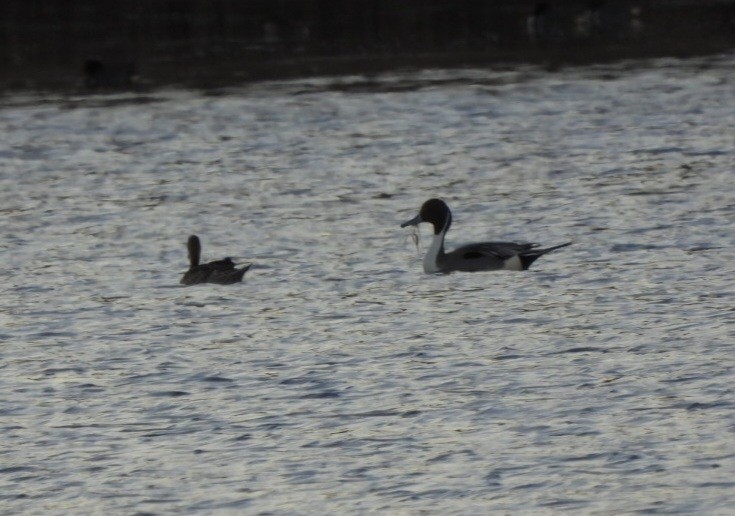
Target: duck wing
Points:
(499, 250)
(225, 264)
(227, 277)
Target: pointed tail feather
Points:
(239, 273)
(553, 248)
(528, 257)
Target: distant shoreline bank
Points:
(204, 74)
(92, 45)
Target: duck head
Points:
(435, 212)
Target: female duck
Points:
(222, 272)
(481, 256)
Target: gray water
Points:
(339, 378)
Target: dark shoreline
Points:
(146, 46)
(207, 75)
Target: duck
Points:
(222, 272)
(480, 256)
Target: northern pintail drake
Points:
(222, 272)
(480, 256)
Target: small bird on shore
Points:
(222, 272)
(480, 256)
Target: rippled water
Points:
(339, 378)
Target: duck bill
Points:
(413, 222)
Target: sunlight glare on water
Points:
(339, 377)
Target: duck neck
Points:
(195, 250)
(435, 253)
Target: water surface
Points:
(339, 378)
